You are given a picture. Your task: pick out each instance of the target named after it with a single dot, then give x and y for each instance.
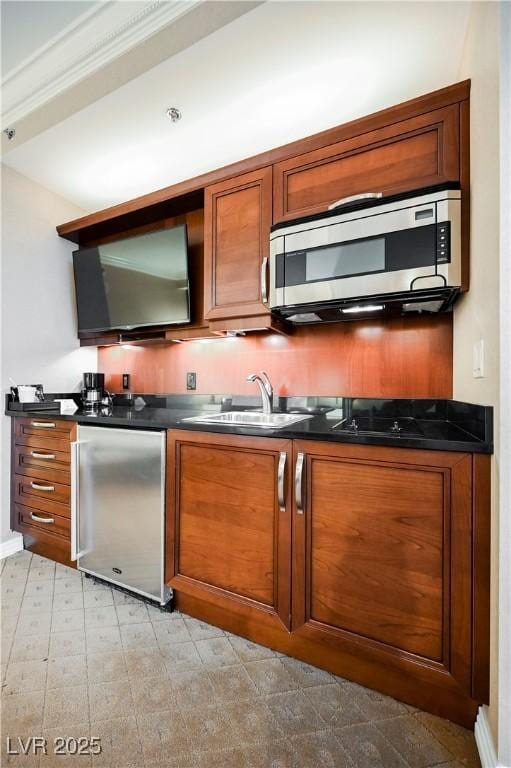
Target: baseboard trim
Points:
(484, 740)
(11, 546)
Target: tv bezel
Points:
(141, 325)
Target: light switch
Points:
(478, 359)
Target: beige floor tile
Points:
(22, 713)
(11, 750)
(232, 683)
(67, 621)
(123, 598)
(367, 747)
(132, 613)
(235, 757)
(103, 616)
(457, 740)
(415, 743)
(34, 603)
(252, 721)
(121, 747)
(209, 728)
(106, 699)
(158, 614)
(33, 624)
(107, 667)
(199, 630)
(323, 750)
(277, 754)
(67, 643)
(64, 746)
(152, 695)
(180, 657)
(69, 585)
(248, 651)
(67, 671)
(68, 602)
(305, 674)
(163, 737)
(25, 677)
(217, 652)
(374, 705)
(270, 676)
(66, 706)
(39, 588)
(294, 713)
(138, 636)
(193, 688)
(97, 598)
(335, 705)
(103, 639)
(30, 648)
(146, 662)
(41, 574)
(172, 631)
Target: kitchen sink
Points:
(250, 419)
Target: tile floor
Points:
(81, 660)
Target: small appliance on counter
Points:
(94, 393)
(30, 397)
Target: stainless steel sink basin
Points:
(250, 419)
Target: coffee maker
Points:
(93, 391)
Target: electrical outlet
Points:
(125, 381)
(478, 359)
(191, 381)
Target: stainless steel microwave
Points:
(400, 253)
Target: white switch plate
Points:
(478, 359)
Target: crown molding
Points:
(103, 33)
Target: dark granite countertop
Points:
(446, 425)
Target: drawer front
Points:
(50, 496)
(43, 463)
(36, 518)
(50, 434)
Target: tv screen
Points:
(134, 282)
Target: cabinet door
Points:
(238, 216)
(229, 520)
(382, 557)
(413, 153)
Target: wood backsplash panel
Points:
(410, 357)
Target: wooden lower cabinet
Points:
(228, 537)
(379, 554)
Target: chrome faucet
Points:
(266, 388)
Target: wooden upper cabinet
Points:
(412, 153)
(238, 216)
(228, 535)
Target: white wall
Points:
(476, 316)
(38, 323)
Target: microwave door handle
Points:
(354, 199)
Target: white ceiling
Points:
(280, 72)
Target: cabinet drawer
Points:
(48, 495)
(36, 518)
(38, 462)
(50, 434)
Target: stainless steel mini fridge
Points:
(118, 507)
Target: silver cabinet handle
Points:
(74, 500)
(47, 520)
(299, 483)
(281, 494)
(264, 283)
(39, 487)
(47, 456)
(44, 424)
(355, 198)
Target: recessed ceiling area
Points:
(281, 71)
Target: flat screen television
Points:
(134, 282)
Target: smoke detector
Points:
(174, 114)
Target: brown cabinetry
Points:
(41, 484)
(404, 155)
(228, 532)
(238, 216)
(389, 574)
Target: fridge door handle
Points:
(75, 501)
